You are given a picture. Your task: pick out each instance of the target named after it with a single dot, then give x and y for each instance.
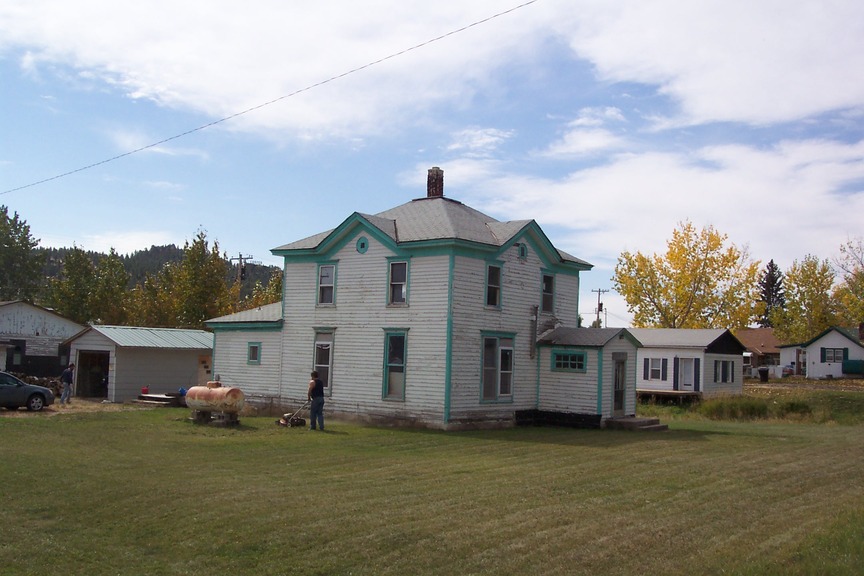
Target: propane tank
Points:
(215, 398)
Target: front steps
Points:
(635, 423)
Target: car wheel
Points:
(35, 403)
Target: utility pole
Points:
(241, 269)
(599, 292)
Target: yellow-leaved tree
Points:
(701, 282)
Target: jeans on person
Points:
(316, 413)
(67, 393)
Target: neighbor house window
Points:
(724, 371)
(655, 369)
(395, 344)
(253, 353)
(833, 354)
(547, 303)
(493, 286)
(497, 368)
(569, 361)
(326, 284)
(398, 283)
(323, 361)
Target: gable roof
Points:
(759, 340)
(584, 337)
(11, 303)
(434, 219)
(851, 335)
(718, 340)
(141, 337)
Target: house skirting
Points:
(549, 418)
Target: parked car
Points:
(14, 394)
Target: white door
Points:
(685, 374)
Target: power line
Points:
(275, 100)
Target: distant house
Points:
(707, 362)
(116, 362)
(826, 352)
(430, 313)
(30, 339)
(762, 348)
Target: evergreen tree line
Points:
(163, 286)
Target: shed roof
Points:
(142, 337)
(586, 337)
(266, 313)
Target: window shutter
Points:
(845, 353)
(675, 373)
(646, 370)
(664, 367)
(822, 354)
(696, 374)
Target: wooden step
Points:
(635, 423)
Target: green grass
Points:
(147, 492)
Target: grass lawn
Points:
(147, 492)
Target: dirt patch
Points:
(78, 406)
(837, 384)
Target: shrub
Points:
(734, 408)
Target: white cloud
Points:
(479, 142)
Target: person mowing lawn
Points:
(316, 399)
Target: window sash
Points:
(493, 286)
(656, 368)
(569, 361)
(398, 282)
(547, 303)
(497, 376)
(323, 357)
(394, 368)
(326, 283)
(253, 353)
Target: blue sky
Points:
(608, 123)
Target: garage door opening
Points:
(92, 378)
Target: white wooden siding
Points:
(833, 339)
(42, 330)
(230, 361)
(710, 388)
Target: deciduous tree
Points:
(849, 293)
(809, 309)
(701, 282)
(70, 294)
(110, 293)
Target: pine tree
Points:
(20, 265)
(771, 292)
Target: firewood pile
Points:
(51, 383)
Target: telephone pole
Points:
(599, 292)
(241, 269)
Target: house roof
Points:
(718, 340)
(850, 334)
(5, 303)
(584, 337)
(760, 341)
(141, 337)
(434, 218)
(267, 313)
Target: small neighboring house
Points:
(707, 362)
(116, 362)
(793, 357)
(31, 338)
(430, 313)
(826, 352)
(762, 348)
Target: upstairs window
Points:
(493, 286)
(547, 303)
(326, 284)
(398, 283)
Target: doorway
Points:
(686, 372)
(92, 374)
(620, 387)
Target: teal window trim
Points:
(394, 284)
(253, 353)
(322, 295)
(395, 364)
(523, 251)
(324, 340)
(505, 353)
(547, 292)
(494, 292)
(563, 360)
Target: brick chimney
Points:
(435, 183)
